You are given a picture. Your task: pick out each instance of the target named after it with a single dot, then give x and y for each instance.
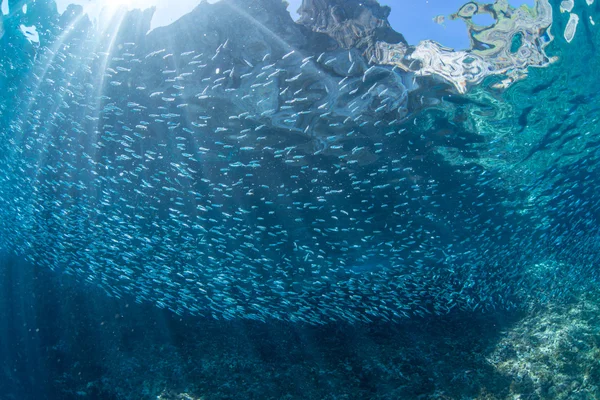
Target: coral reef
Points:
(554, 354)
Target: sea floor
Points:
(84, 345)
(552, 353)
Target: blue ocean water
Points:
(240, 205)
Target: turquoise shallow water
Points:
(314, 179)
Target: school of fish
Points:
(237, 164)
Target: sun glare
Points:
(121, 3)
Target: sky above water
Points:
(412, 18)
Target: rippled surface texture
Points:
(237, 164)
